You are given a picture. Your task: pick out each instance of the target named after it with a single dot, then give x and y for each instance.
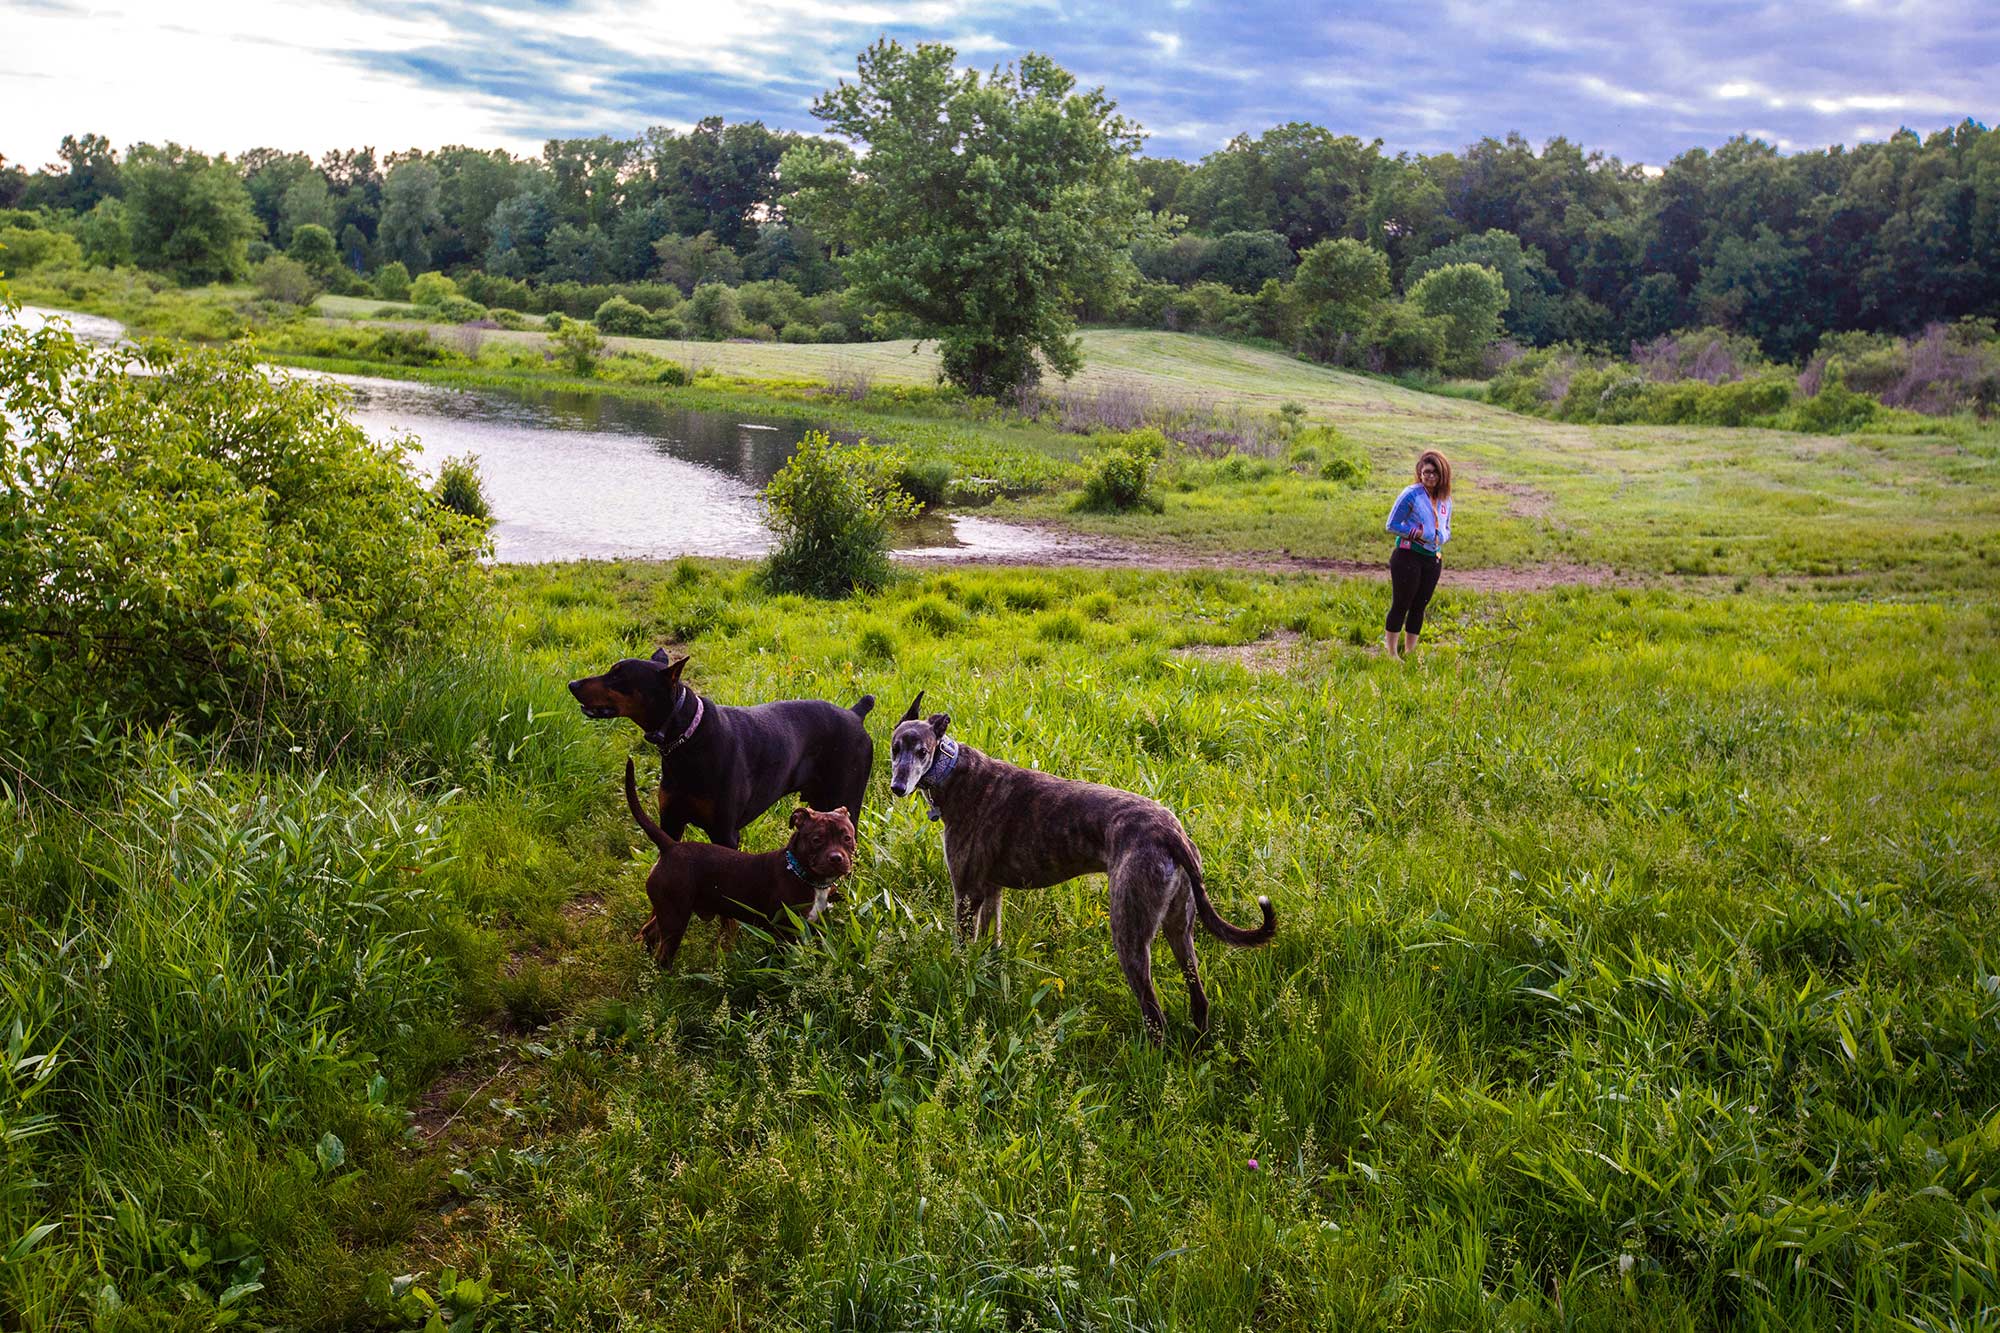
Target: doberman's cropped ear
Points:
(915, 704)
(674, 668)
(799, 813)
(661, 655)
(939, 721)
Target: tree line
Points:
(1888, 237)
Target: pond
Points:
(575, 476)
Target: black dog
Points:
(721, 767)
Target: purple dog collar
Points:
(655, 736)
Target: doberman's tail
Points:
(862, 705)
(652, 830)
(1183, 854)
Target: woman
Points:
(1421, 520)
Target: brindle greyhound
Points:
(1014, 828)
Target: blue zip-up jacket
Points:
(1414, 512)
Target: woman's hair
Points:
(1444, 471)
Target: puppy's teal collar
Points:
(934, 777)
(816, 885)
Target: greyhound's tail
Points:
(862, 705)
(1183, 855)
(652, 830)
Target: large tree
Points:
(984, 206)
(189, 216)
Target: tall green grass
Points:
(223, 978)
(1635, 969)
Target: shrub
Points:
(458, 310)
(1401, 338)
(797, 333)
(392, 281)
(1120, 483)
(197, 538)
(1834, 409)
(508, 319)
(284, 279)
(578, 345)
(833, 333)
(831, 515)
(1123, 477)
(712, 312)
(621, 316)
(665, 324)
(460, 488)
(25, 248)
(432, 289)
(672, 374)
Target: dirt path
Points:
(1065, 548)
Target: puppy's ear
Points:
(660, 655)
(674, 669)
(939, 721)
(799, 813)
(915, 703)
(843, 813)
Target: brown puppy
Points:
(723, 883)
(1014, 828)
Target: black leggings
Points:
(1413, 577)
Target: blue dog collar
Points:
(942, 763)
(817, 886)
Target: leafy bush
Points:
(672, 374)
(392, 281)
(460, 488)
(458, 310)
(831, 515)
(579, 345)
(202, 536)
(1401, 338)
(284, 279)
(508, 319)
(1834, 409)
(25, 248)
(665, 324)
(712, 312)
(432, 289)
(621, 316)
(1122, 480)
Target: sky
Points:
(1641, 82)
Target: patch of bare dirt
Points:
(1274, 652)
(1522, 501)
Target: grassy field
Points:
(1635, 969)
